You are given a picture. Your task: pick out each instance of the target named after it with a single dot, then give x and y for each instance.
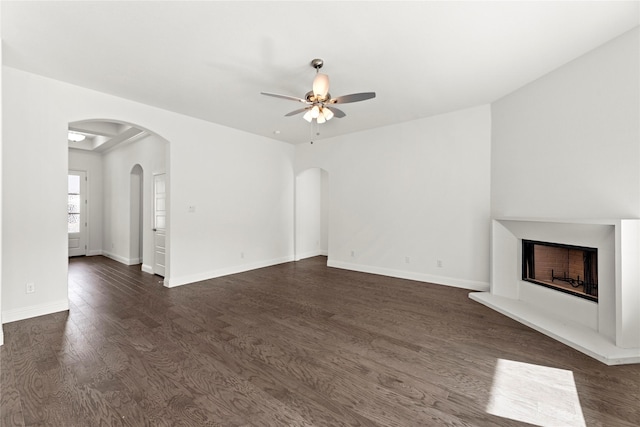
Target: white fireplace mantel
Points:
(608, 330)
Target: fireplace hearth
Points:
(565, 268)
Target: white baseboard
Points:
(411, 275)
(115, 257)
(147, 269)
(94, 252)
(121, 259)
(1, 336)
(308, 254)
(185, 280)
(34, 311)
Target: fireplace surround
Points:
(607, 328)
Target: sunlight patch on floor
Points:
(535, 394)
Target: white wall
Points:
(151, 154)
(568, 144)
(91, 163)
(241, 185)
(417, 190)
(35, 168)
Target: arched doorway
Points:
(124, 158)
(311, 213)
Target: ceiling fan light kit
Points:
(319, 104)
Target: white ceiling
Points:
(212, 59)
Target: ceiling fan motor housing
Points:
(317, 63)
(311, 97)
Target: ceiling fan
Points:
(318, 101)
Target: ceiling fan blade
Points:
(301, 110)
(354, 97)
(290, 98)
(336, 112)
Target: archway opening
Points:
(123, 159)
(312, 213)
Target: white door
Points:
(159, 223)
(77, 213)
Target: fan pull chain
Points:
(311, 132)
(314, 129)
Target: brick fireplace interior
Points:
(566, 268)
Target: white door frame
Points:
(136, 212)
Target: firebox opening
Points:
(566, 268)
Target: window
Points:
(73, 220)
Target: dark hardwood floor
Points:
(297, 344)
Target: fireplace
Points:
(607, 328)
(565, 268)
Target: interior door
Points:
(77, 213)
(159, 223)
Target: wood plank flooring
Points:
(297, 344)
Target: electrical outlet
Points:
(439, 263)
(407, 260)
(353, 254)
(242, 255)
(30, 288)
